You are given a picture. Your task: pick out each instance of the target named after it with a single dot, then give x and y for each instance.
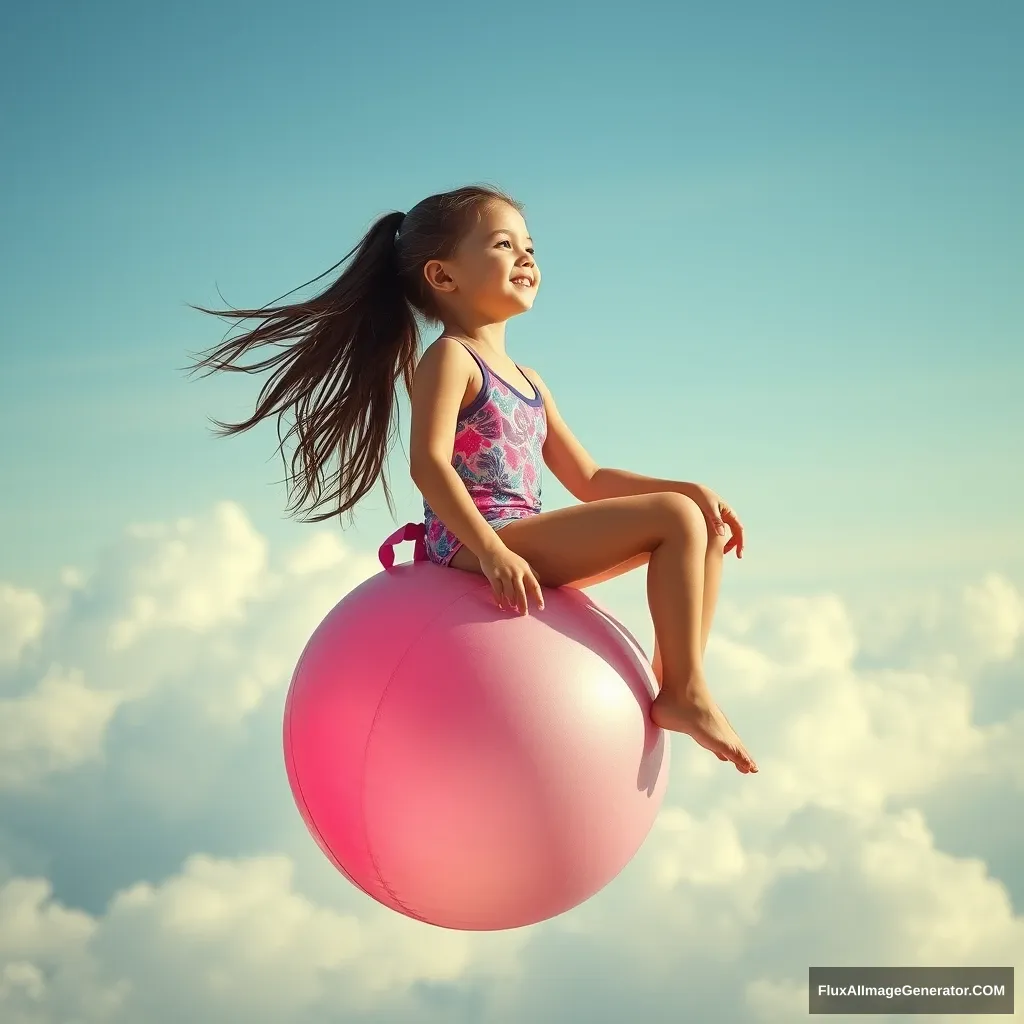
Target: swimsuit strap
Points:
(490, 374)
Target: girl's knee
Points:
(684, 515)
(679, 513)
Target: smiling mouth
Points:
(522, 282)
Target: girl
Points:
(482, 427)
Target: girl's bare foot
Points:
(701, 718)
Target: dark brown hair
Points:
(343, 352)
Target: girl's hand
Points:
(512, 580)
(719, 516)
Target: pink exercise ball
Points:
(465, 766)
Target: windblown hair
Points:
(342, 353)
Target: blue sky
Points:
(782, 249)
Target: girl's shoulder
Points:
(449, 352)
(445, 368)
(445, 351)
(536, 380)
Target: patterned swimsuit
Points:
(497, 453)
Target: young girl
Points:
(482, 427)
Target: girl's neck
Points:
(489, 337)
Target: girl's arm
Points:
(438, 389)
(581, 476)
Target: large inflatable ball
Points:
(466, 766)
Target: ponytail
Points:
(344, 352)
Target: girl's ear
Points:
(437, 276)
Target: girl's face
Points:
(493, 273)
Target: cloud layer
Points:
(152, 865)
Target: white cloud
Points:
(32, 926)
(803, 636)
(189, 574)
(963, 632)
(223, 940)
(830, 733)
(228, 940)
(995, 616)
(944, 909)
(53, 728)
(195, 608)
(22, 614)
(889, 898)
(171, 736)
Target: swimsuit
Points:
(499, 437)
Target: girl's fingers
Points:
(736, 540)
(516, 593)
(521, 601)
(500, 588)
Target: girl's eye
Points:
(505, 241)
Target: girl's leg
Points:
(712, 582)
(587, 540)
